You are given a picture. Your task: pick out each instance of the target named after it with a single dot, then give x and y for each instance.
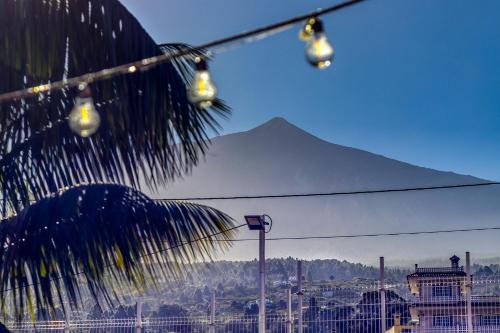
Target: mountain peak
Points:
(277, 121)
(277, 125)
(279, 158)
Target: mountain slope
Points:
(277, 158)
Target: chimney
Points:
(454, 262)
(416, 267)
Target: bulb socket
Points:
(317, 26)
(84, 90)
(201, 64)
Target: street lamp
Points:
(258, 222)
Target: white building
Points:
(440, 303)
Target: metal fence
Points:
(430, 300)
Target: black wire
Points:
(274, 26)
(324, 194)
(368, 235)
(289, 238)
(149, 63)
(321, 194)
(318, 237)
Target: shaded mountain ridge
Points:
(280, 158)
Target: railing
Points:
(439, 269)
(233, 324)
(354, 306)
(243, 324)
(457, 329)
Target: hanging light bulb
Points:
(319, 51)
(84, 119)
(202, 91)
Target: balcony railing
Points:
(456, 329)
(440, 269)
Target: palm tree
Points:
(3, 329)
(75, 220)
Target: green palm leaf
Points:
(3, 329)
(102, 238)
(149, 130)
(95, 238)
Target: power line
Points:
(289, 238)
(316, 237)
(409, 189)
(148, 63)
(370, 235)
(324, 194)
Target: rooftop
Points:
(453, 270)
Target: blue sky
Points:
(418, 81)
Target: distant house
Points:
(267, 301)
(278, 283)
(440, 302)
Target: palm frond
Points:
(3, 329)
(104, 238)
(149, 130)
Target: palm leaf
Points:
(3, 329)
(149, 130)
(112, 236)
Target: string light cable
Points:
(151, 62)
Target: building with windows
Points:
(440, 302)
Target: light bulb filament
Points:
(201, 86)
(85, 114)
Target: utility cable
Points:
(324, 194)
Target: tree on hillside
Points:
(312, 312)
(171, 310)
(484, 271)
(367, 318)
(206, 291)
(252, 310)
(198, 296)
(177, 311)
(310, 276)
(311, 316)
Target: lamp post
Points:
(258, 222)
